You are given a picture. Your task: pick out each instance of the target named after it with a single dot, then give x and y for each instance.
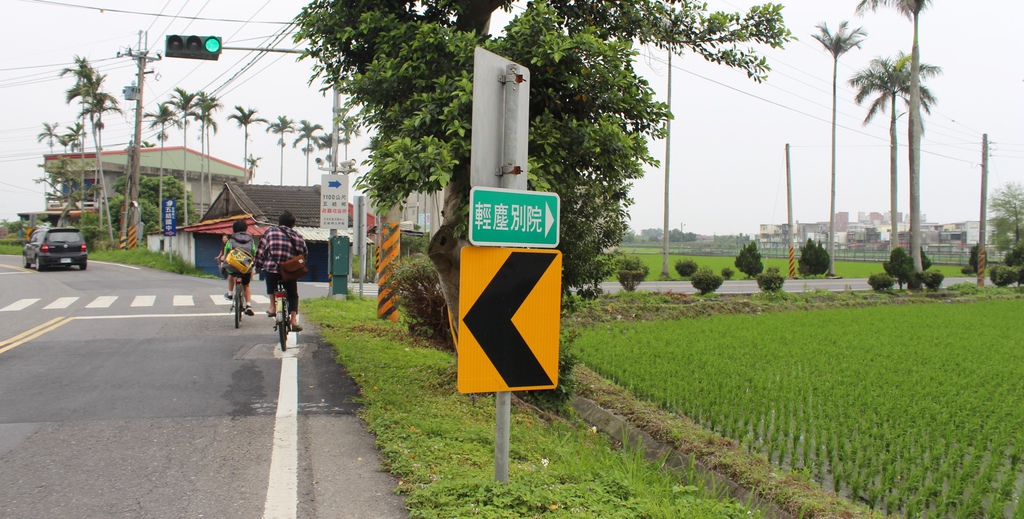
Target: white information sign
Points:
(334, 211)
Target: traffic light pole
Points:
(132, 207)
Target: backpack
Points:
(239, 258)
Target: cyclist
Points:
(240, 239)
(280, 244)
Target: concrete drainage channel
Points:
(617, 427)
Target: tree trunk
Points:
(445, 249)
(832, 206)
(915, 158)
(894, 237)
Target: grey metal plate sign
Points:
(491, 81)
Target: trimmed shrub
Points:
(900, 266)
(932, 279)
(968, 271)
(632, 270)
(418, 291)
(770, 280)
(749, 260)
(1004, 276)
(972, 262)
(728, 273)
(1015, 256)
(706, 281)
(814, 259)
(686, 268)
(881, 282)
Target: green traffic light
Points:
(212, 45)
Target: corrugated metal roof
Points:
(317, 234)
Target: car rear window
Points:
(64, 236)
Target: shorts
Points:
(245, 277)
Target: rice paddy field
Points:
(915, 410)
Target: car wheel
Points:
(82, 266)
(28, 264)
(39, 265)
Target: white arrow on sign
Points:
(549, 219)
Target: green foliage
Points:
(413, 245)
(966, 288)
(422, 304)
(770, 280)
(749, 260)
(881, 282)
(559, 399)
(814, 259)
(727, 273)
(686, 268)
(706, 281)
(900, 266)
(1015, 256)
(972, 262)
(1003, 275)
(932, 279)
(632, 270)
(149, 192)
(1007, 209)
(148, 258)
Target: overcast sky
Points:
(728, 139)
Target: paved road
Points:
(128, 392)
(749, 286)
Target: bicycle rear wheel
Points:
(283, 324)
(237, 302)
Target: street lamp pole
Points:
(668, 151)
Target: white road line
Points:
(60, 303)
(260, 299)
(183, 301)
(143, 301)
(146, 316)
(102, 302)
(19, 305)
(283, 487)
(218, 299)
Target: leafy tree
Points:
(246, 117)
(409, 66)
(283, 125)
(1015, 256)
(65, 176)
(889, 79)
(149, 201)
(749, 260)
(1007, 211)
(836, 44)
(912, 10)
(814, 259)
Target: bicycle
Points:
(282, 322)
(239, 295)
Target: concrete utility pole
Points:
(789, 204)
(668, 155)
(982, 228)
(132, 208)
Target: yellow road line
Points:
(22, 338)
(16, 268)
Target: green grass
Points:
(908, 408)
(846, 269)
(12, 250)
(441, 444)
(147, 258)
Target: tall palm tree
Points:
(245, 117)
(74, 138)
(208, 104)
(889, 80)
(251, 163)
(912, 10)
(163, 116)
(184, 104)
(836, 44)
(283, 125)
(307, 131)
(349, 128)
(49, 134)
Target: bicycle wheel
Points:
(282, 332)
(237, 302)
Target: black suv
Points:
(57, 247)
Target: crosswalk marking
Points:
(143, 301)
(60, 303)
(183, 301)
(261, 299)
(19, 305)
(102, 302)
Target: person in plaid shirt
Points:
(280, 244)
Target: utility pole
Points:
(982, 228)
(789, 204)
(668, 155)
(132, 210)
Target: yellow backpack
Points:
(240, 260)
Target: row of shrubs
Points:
(632, 270)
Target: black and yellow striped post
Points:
(792, 264)
(131, 238)
(387, 307)
(981, 267)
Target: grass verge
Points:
(441, 444)
(147, 258)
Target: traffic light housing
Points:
(192, 47)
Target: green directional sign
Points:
(512, 218)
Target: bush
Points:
(966, 289)
(968, 271)
(706, 281)
(1004, 276)
(900, 266)
(1015, 256)
(727, 273)
(770, 280)
(881, 282)
(632, 270)
(686, 268)
(422, 304)
(814, 259)
(932, 279)
(749, 260)
(972, 262)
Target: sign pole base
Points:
(503, 419)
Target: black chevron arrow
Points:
(490, 319)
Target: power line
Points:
(142, 13)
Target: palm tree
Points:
(836, 44)
(74, 138)
(251, 163)
(244, 117)
(889, 79)
(184, 104)
(307, 131)
(162, 117)
(280, 127)
(349, 128)
(912, 10)
(48, 134)
(208, 104)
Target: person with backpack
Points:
(280, 244)
(242, 240)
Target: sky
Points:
(728, 138)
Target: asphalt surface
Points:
(127, 392)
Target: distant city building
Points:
(871, 231)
